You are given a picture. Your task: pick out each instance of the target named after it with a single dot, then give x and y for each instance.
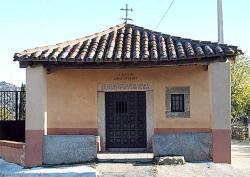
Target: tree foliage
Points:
(22, 104)
(5, 114)
(240, 88)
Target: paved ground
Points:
(240, 167)
(12, 170)
(187, 170)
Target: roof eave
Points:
(131, 64)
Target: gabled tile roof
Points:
(126, 43)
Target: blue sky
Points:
(28, 23)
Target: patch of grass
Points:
(93, 165)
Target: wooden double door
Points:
(125, 120)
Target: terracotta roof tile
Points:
(126, 43)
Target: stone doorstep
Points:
(169, 160)
(116, 157)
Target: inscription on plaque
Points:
(125, 76)
(124, 87)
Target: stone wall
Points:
(12, 151)
(193, 146)
(66, 149)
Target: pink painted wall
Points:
(12, 151)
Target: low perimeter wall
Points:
(66, 149)
(193, 146)
(12, 151)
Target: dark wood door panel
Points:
(125, 119)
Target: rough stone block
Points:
(193, 146)
(66, 149)
(169, 160)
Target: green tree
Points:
(5, 114)
(22, 103)
(240, 88)
(240, 96)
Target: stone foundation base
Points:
(193, 146)
(67, 149)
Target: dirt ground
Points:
(241, 154)
(240, 167)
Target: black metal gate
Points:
(125, 119)
(12, 115)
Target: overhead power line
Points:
(165, 13)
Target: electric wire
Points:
(164, 14)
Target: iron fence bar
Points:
(16, 114)
(1, 106)
(12, 105)
(11, 91)
(4, 105)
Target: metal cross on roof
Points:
(127, 9)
